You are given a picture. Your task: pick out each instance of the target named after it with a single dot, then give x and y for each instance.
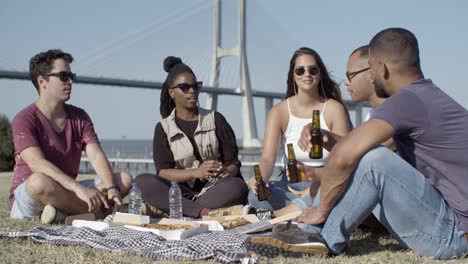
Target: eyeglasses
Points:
(185, 87)
(350, 75)
(64, 76)
(313, 70)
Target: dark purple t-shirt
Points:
(431, 134)
(32, 129)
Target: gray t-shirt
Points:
(431, 133)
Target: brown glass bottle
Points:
(262, 194)
(106, 211)
(293, 172)
(317, 151)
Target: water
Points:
(175, 201)
(134, 202)
(143, 149)
(128, 148)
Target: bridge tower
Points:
(250, 135)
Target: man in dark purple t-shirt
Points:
(420, 197)
(49, 137)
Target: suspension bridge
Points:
(228, 75)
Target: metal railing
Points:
(138, 166)
(268, 96)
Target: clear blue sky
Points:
(130, 39)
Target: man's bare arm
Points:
(34, 158)
(101, 165)
(98, 160)
(343, 160)
(329, 139)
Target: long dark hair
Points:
(330, 87)
(174, 67)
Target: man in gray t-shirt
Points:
(420, 197)
(430, 134)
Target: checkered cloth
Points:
(223, 246)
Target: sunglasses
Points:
(350, 75)
(185, 87)
(64, 76)
(313, 70)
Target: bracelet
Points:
(114, 186)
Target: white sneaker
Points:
(248, 209)
(50, 215)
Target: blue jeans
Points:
(413, 211)
(279, 196)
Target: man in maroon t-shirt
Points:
(49, 137)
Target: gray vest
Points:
(180, 145)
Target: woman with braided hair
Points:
(196, 148)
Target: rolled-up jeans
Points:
(403, 200)
(279, 195)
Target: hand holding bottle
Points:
(291, 168)
(209, 168)
(253, 184)
(115, 199)
(210, 155)
(309, 173)
(304, 141)
(262, 192)
(316, 151)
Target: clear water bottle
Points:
(175, 201)
(134, 201)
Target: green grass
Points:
(365, 247)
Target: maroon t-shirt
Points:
(63, 149)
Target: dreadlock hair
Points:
(174, 67)
(330, 87)
(42, 63)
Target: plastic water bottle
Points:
(134, 203)
(175, 201)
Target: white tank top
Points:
(293, 133)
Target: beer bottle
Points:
(106, 211)
(262, 194)
(316, 152)
(293, 172)
(212, 156)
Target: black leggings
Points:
(227, 192)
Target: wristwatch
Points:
(114, 186)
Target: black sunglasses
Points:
(313, 70)
(185, 87)
(350, 75)
(64, 76)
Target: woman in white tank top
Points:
(309, 87)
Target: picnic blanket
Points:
(222, 246)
